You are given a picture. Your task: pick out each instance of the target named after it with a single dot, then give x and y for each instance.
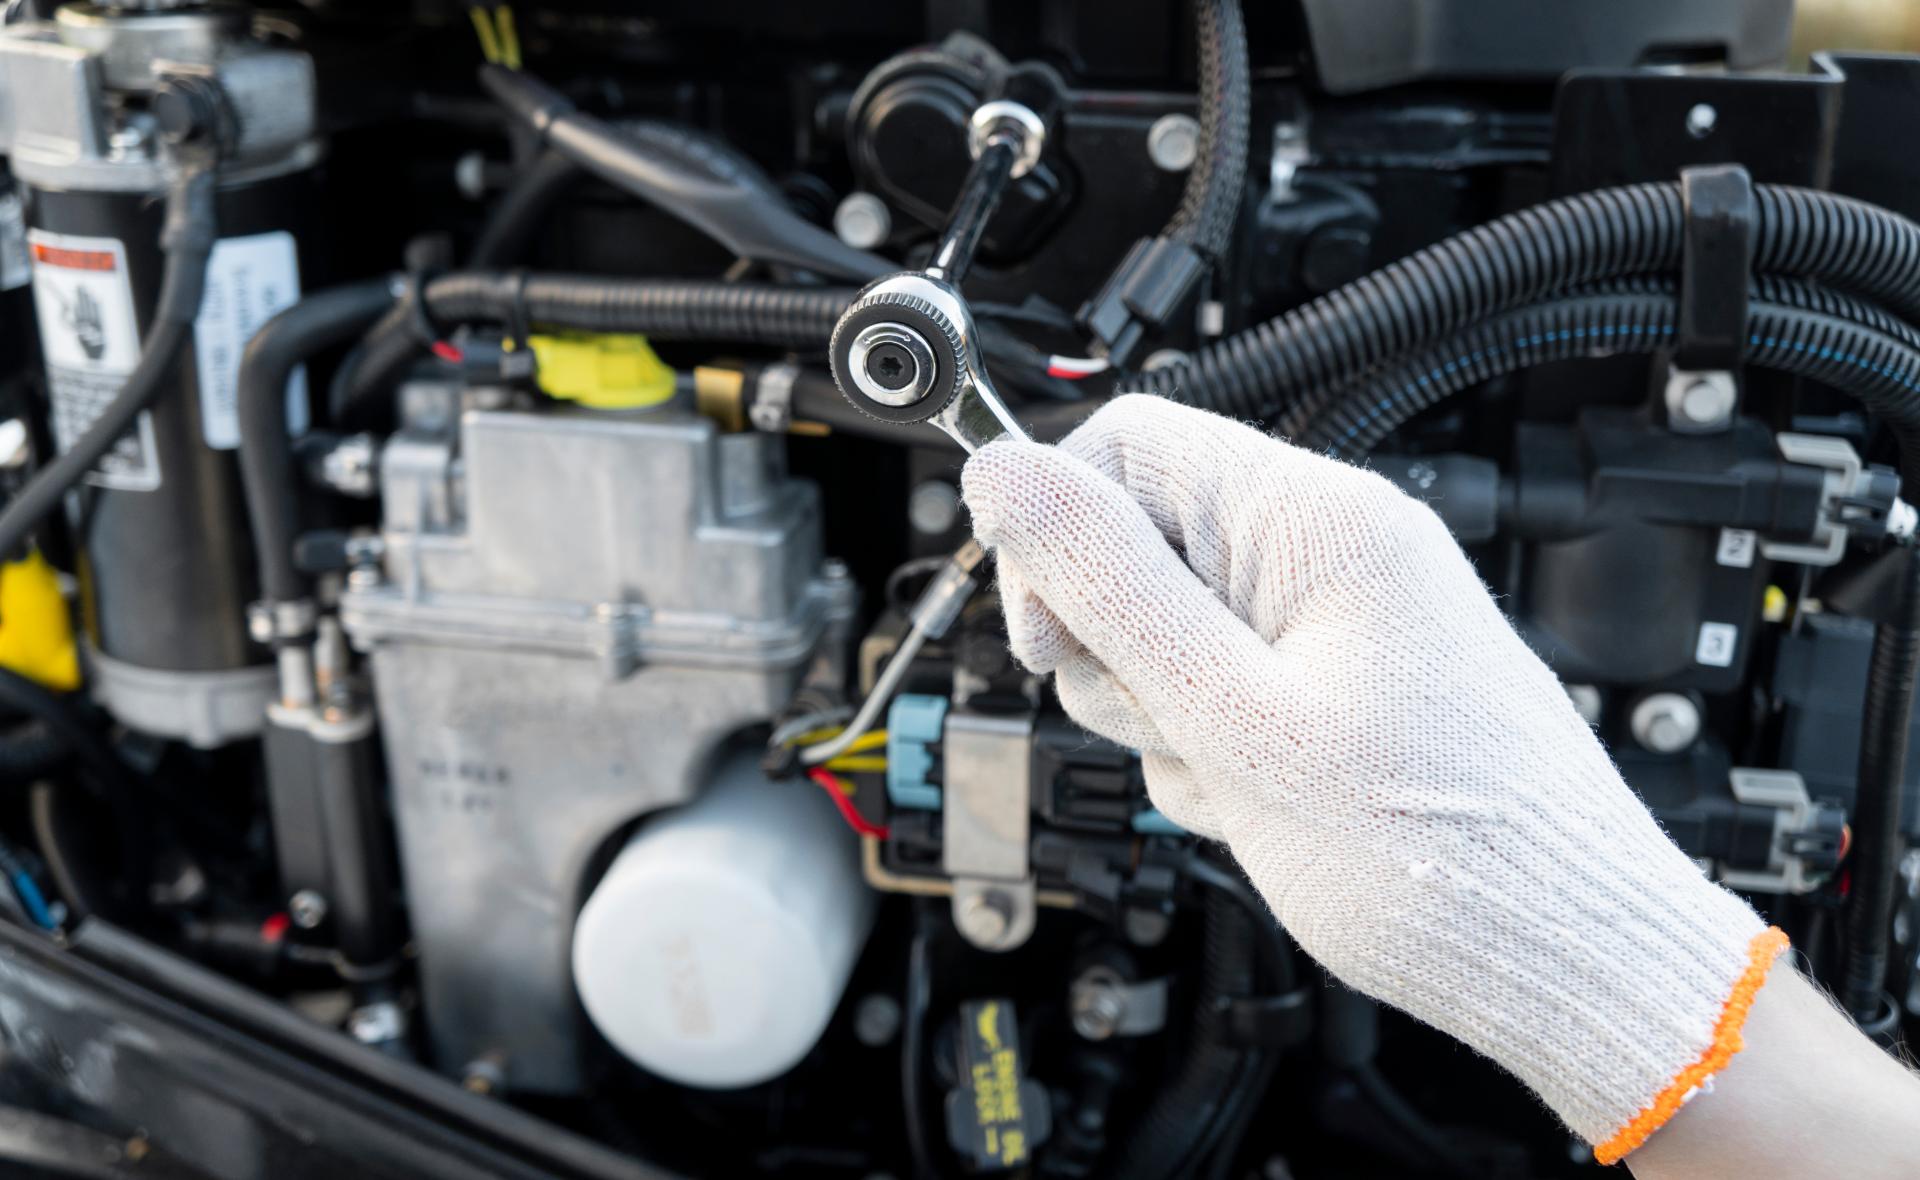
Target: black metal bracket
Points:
(1716, 257)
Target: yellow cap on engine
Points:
(604, 370)
(36, 632)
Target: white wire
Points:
(883, 690)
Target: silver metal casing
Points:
(576, 611)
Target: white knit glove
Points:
(1315, 675)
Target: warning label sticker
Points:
(249, 280)
(84, 301)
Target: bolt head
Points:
(1097, 1006)
(985, 917)
(891, 366)
(1666, 722)
(307, 908)
(1173, 142)
(862, 221)
(1701, 119)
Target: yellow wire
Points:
(489, 44)
(509, 39)
(871, 740)
(853, 764)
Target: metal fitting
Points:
(892, 364)
(380, 1023)
(1014, 122)
(307, 909)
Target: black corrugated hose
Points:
(1879, 837)
(744, 313)
(1880, 369)
(1519, 259)
(1210, 204)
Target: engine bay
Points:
(489, 613)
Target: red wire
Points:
(855, 820)
(448, 352)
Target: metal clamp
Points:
(986, 819)
(1702, 392)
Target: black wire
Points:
(919, 994)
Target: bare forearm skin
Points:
(1808, 1096)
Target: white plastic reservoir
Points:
(717, 946)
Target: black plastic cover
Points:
(1367, 44)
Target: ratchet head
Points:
(906, 351)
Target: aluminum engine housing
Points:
(572, 613)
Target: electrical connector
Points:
(1154, 280)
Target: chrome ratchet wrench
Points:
(906, 350)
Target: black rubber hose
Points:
(1210, 204)
(1173, 1130)
(65, 724)
(1877, 368)
(187, 237)
(517, 215)
(733, 212)
(1879, 841)
(30, 750)
(267, 468)
(1522, 258)
(43, 815)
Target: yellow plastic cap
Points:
(607, 371)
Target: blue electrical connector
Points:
(914, 724)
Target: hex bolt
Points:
(1706, 401)
(1097, 1003)
(307, 908)
(984, 917)
(1665, 722)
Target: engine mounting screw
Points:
(1097, 1002)
(862, 221)
(1665, 722)
(876, 1020)
(307, 908)
(984, 917)
(1173, 142)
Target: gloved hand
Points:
(1315, 675)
